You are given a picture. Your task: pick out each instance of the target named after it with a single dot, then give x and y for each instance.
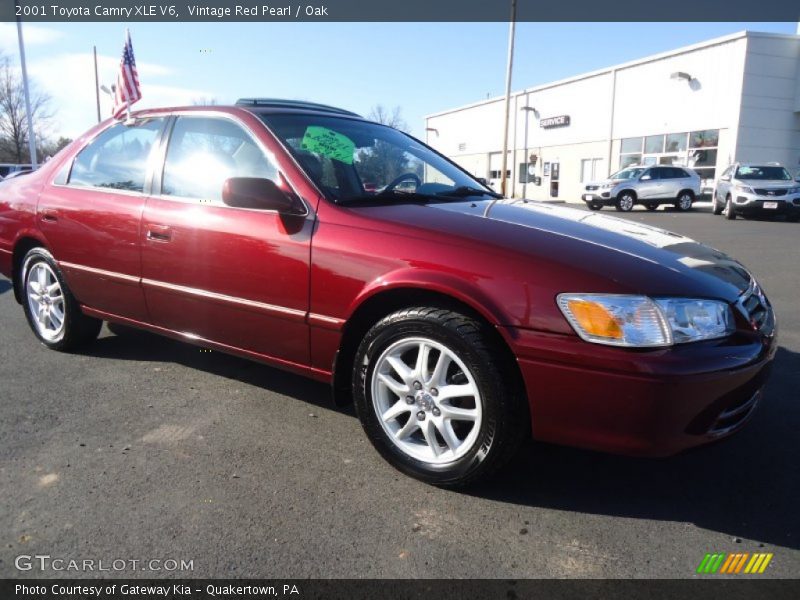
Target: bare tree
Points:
(13, 118)
(379, 114)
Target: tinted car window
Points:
(203, 152)
(651, 174)
(117, 158)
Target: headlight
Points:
(606, 186)
(745, 189)
(794, 190)
(639, 321)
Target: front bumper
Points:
(599, 196)
(752, 204)
(641, 402)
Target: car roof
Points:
(292, 105)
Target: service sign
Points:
(550, 122)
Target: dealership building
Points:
(733, 98)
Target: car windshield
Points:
(628, 173)
(763, 173)
(353, 160)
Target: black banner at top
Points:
(396, 10)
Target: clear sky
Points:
(421, 67)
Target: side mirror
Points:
(645, 178)
(726, 178)
(259, 194)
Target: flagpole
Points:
(31, 133)
(96, 84)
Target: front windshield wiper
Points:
(464, 191)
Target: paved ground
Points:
(146, 448)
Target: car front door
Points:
(91, 218)
(649, 183)
(233, 276)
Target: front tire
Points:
(52, 311)
(651, 206)
(730, 212)
(625, 201)
(716, 208)
(435, 397)
(594, 206)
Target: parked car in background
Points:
(7, 168)
(460, 323)
(649, 186)
(751, 189)
(14, 174)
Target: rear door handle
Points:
(159, 233)
(49, 215)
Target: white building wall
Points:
(769, 125)
(745, 85)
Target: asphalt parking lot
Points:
(143, 448)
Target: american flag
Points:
(128, 90)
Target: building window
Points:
(654, 144)
(590, 169)
(497, 174)
(462, 146)
(631, 145)
(676, 142)
(626, 160)
(703, 152)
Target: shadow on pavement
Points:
(746, 486)
(5, 286)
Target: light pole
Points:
(509, 67)
(527, 110)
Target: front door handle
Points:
(159, 233)
(49, 215)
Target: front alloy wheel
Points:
(438, 396)
(625, 202)
(427, 400)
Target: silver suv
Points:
(752, 189)
(650, 186)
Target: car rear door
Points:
(91, 216)
(233, 276)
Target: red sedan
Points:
(459, 322)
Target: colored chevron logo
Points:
(734, 564)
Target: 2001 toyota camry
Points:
(459, 322)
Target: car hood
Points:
(629, 257)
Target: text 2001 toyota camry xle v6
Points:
(458, 322)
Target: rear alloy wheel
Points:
(435, 397)
(625, 201)
(52, 312)
(651, 205)
(729, 211)
(684, 201)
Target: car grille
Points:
(756, 307)
(735, 415)
(591, 188)
(766, 192)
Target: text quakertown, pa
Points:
(59, 589)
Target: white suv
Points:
(757, 189)
(650, 186)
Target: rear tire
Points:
(684, 201)
(730, 212)
(449, 419)
(52, 311)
